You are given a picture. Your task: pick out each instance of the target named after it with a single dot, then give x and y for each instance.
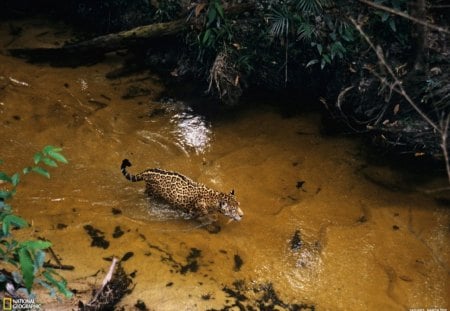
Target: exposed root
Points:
(114, 287)
(226, 79)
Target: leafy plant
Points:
(217, 29)
(27, 256)
(166, 10)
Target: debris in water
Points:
(296, 241)
(97, 236)
(192, 264)
(300, 184)
(238, 262)
(116, 211)
(61, 226)
(115, 286)
(118, 232)
(266, 299)
(140, 305)
(127, 256)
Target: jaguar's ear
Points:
(232, 192)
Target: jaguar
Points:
(182, 193)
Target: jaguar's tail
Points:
(123, 168)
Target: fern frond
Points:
(312, 6)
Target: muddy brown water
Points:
(361, 246)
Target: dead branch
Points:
(404, 15)
(106, 280)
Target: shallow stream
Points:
(317, 230)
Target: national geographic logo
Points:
(9, 304)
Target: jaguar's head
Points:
(229, 206)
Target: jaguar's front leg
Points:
(207, 220)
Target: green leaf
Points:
(15, 179)
(5, 177)
(326, 58)
(14, 220)
(206, 36)
(39, 260)
(49, 149)
(212, 15)
(51, 290)
(392, 25)
(319, 48)
(61, 285)
(58, 157)
(37, 157)
(5, 194)
(312, 62)
(384, 16)
(27, 267)
(41, 171)
(26, 170)
(49, 162)
(219, 9)
(37, 244)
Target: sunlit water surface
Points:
(363, 246)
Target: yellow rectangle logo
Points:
(7, 304)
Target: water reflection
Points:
(192, 131)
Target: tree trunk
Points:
(103, 44)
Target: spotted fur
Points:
(183, 193)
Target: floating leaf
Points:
(41, 171)
(27, 267)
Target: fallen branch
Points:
(103, 44)
(404, 15)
